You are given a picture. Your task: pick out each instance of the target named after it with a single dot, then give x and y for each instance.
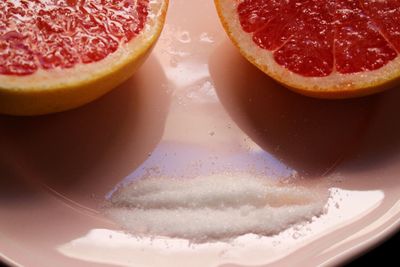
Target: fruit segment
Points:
(316, 38)
(51, 34)
(386, 15)
(359, 44)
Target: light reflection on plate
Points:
(122, 249)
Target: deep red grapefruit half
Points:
(59, 54)
(321, 48)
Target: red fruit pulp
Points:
(315, 38)
(51, 34)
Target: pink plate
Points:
(197, 100)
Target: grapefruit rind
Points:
(56, 90)
(335, 86)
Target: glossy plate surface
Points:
(197, 101)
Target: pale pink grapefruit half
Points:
(56, 55)
(320, 48)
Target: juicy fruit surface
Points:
(47, 34)
(316, 38)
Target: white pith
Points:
(84, 73)
(265, 61)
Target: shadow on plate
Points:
(86, 150)
(378, 158)
(310, 135)
(381, 143)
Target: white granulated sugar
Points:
(212, 207)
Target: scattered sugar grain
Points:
(212, 207)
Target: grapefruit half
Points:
(320, 48)
(60, 54)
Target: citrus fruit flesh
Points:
(322, 48)
(60, 54)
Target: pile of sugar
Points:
(212, 207)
